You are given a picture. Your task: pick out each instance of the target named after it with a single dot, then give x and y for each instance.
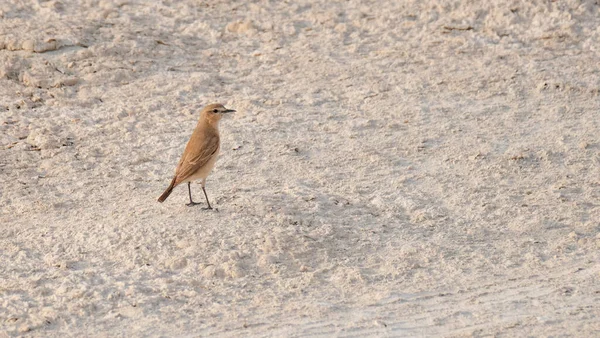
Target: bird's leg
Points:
(192, 203)
(205, 195)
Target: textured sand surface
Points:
(395, 168)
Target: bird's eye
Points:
(215, 111)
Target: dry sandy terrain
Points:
(395, 168)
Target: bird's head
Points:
(214, 112)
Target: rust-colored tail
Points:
(167, 192)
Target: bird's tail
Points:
(167, 192)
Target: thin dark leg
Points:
(205, 195)
(192, 203)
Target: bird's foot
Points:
(191, 204)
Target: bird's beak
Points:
(228, 111)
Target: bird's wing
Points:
(197, 153)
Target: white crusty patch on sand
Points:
(395, 168)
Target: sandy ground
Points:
(395, 168)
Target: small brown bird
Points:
(200, 153)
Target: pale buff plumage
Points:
(200, 153)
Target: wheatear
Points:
(200, 153)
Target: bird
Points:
(200, 153)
